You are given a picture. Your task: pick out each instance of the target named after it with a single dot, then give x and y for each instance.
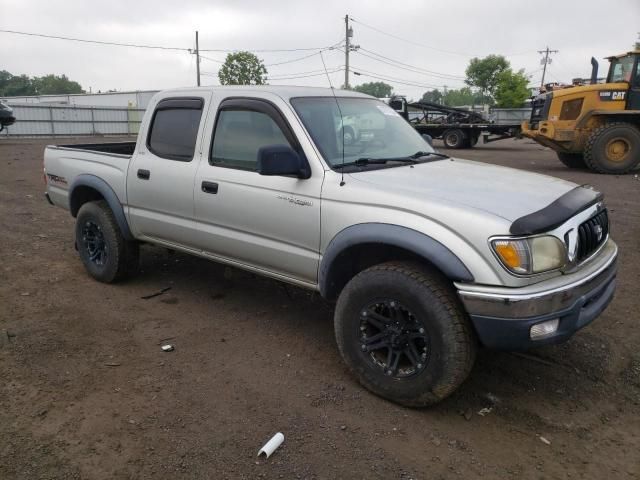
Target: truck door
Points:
(270, 223)
(161, 176)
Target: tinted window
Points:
(240, 134)
(174, 131)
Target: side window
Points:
(174, 128)
(239, 134)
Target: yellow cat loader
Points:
(594, 126)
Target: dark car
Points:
(6, 115)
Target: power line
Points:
(99, 42)
(430, 47)
(212, 59)
(320, 70)
(158, 47)
(264, 50)
(292, 60)
(335, 46)
(408, 67)
(409, 41)
(306, 76)
(379, 76)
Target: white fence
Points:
(52, 120)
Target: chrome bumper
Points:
(503, 317)
(539, 299)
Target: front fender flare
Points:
(394, 235)
(102, 187)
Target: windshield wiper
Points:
(421, 154)
(364, 161)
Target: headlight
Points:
(526, 256)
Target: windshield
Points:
(372, 129)
(621, 69)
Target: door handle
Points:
(144, 174)
(210, 187)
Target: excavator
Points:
(594, 126)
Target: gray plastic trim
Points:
(98, 184)
(418, 243)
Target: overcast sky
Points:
(439, 36)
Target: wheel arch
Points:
(88, 188)
(360, 246)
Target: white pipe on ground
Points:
(272, 444)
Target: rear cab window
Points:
(174, 128)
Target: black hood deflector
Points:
(557, 212)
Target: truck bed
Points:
(106, 161)
(118, 148)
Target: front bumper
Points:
(546, 133)
(503, 317)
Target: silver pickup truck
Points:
(427, 256)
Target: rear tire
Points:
(454, 138)
(572, 160)
(105, 253)
(613, 148)
(403, 333)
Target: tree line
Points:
(490, 80)
(22, 85)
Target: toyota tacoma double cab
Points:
(426, 257)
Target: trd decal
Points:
(57, 179)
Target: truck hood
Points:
(505, 192)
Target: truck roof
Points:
(284, 91)
(632, 52)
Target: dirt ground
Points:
(87, 392)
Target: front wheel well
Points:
(358, 258)
(81, 195)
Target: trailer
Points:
(457, 127)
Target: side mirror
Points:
(428, 139)
(282, 160)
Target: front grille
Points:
(539, 109)
(592, 234)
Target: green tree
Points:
(511, 90)
(18, 85)
(15, 85)
(433, 96)
(463, 96)
(242, 68)
(375, 89)
(54, 84)
(483, 74)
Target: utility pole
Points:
(545, 61)
(197, 58)
(348, 33)
(348, 47)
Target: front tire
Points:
(104, 252)
(613, 148)
(404, 334)
(572, 160)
